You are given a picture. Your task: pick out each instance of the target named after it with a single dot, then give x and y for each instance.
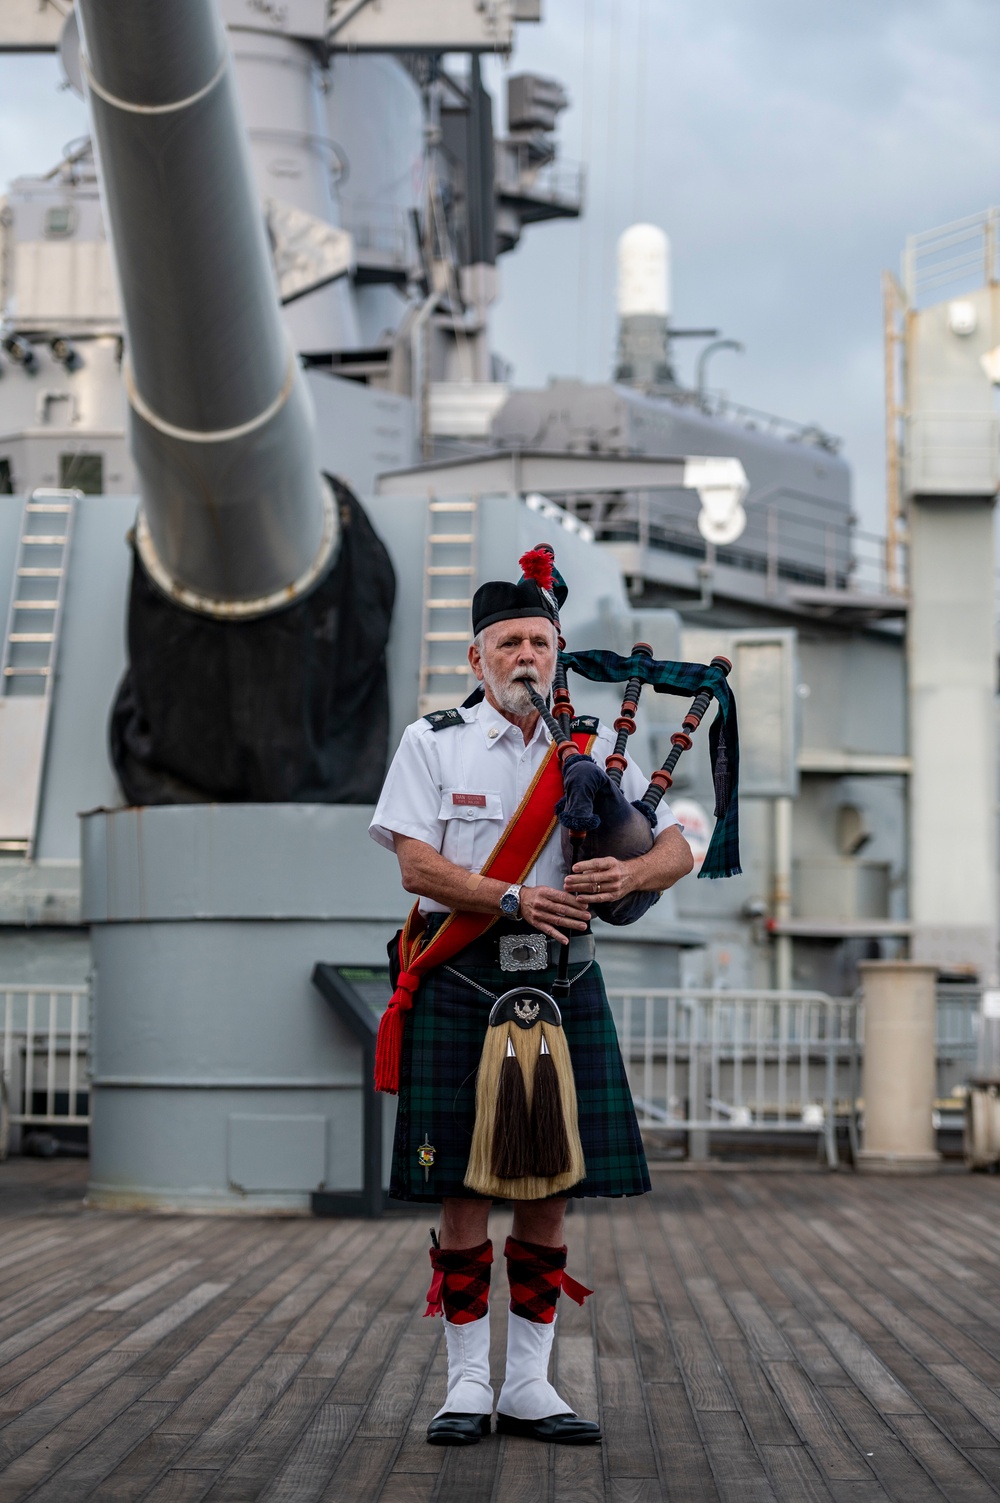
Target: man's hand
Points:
(602, 880)
(545, 908)
(429, 874)
(606, 879)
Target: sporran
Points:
(526, 1141)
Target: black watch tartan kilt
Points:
(442, 1042)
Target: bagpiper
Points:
(506, 1091)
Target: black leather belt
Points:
(522, 949)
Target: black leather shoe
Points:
(458, 1429)
(559, 1429)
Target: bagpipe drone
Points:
(526, 1143)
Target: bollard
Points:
(899, 1067)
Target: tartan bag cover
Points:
(510, 860)
(723, 856)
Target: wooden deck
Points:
(755, 1336)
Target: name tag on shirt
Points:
(463, 806)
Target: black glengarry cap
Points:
(539, 592)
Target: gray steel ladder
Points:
(450, 563)
(28, 657)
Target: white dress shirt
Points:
(457, 789)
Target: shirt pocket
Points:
(474, 825)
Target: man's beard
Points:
(510, 692)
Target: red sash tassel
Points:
(389, 1044)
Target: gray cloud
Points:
(787, 146)
(788, 149)
(37, 116)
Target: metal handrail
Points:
(701, 1060)
(757, 420)
(960, 255)
(845, 556)
(42, 1028)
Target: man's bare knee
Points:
(540, 1221)
(464, 1223)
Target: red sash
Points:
(510, 861)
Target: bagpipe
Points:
(526, 1141)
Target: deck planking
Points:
(773, 1337)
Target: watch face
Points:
(508, 903)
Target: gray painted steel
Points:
(951, 479)
(209, 863)
(952, 430)
(798, 484)
(220, 418)
(499, 473)
(360, 430)
(91, 660)
(953, 737)
(296, 161)
(219, 1075)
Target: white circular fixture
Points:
(718, 526)
(722, 487)
(962, 317)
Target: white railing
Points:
(698, 1061)
(382, 228)
(958, 1035)
(44, 1044)
(752, 1061)
(951, 258)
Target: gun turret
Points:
(260, 596)
(234, 510)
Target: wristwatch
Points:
(510, 903)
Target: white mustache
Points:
(511, 690)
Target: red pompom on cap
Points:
(537, 565)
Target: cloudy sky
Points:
(787, 146)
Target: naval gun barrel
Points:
(235, 518)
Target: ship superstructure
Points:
(388, 192)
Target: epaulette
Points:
(586, 725)
(438, 719)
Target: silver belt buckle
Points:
(524, 952)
